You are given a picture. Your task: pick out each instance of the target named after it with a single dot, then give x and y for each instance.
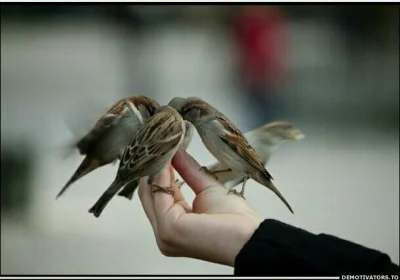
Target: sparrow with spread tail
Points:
(152, 148)
(227, 144)
(107, 140)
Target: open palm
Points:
(214, 228)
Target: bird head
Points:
(281, 131)
(176, 102)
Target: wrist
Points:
(241, 237)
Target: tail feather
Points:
(105, 198)
(88, 165)
(129, 189)
(266, 181)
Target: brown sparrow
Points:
(129, 189)
(265, 140)
(107, 140)
(227, 144)
(153, 147)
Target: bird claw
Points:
(208, 172)
(235, 192)
(167, 190)
(179, 183)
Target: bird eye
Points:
(185, 111)
(151, 109)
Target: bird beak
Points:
(295, 134)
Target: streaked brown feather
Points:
(238, 142)
(149, 142)
(141, 100)
(118, 107)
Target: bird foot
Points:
(167, 190)
(179, 183)
(208, 172)
(235, 192)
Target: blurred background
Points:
(333, 71)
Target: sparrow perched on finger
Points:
(153, 147)
(107, 140)
(227, 144)
(265, 139)
(129, 189)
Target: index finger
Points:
(189, 169)
(178, 196)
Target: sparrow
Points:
(107, 140)
(265, 139)
(227, 144)
(129, 189)
(151, 149)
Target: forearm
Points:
(280, 249)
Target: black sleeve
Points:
(278, 249)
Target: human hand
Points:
(214, 228)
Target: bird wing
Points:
(109, 119)
(236, 140)
(159, 135)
